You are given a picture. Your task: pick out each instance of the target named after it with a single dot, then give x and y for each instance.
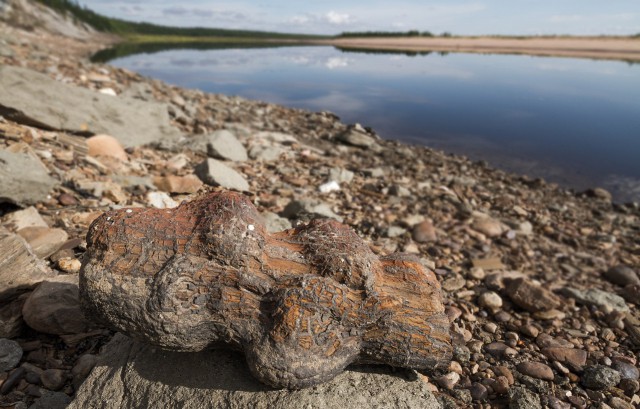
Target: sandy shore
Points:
(613, 48)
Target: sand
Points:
(613, 48)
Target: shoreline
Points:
(608, 48)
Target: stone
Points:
(165, 379)
(10, 354)
(357, 136)
(11, 322)
(309, 207)
(521, 398)
(266, 153)
(449, 380)
(53, 379)
(488, 226)
(424, 232)
(53, 307)
(69, 265)
(576, 358)
(622, 275)
(178, 184)
(194, 293)
(23, 178)
(51, 400)
(598, 298)
(488, 263)
(341, 175)
(275, 223)
(626, 370)
(395, 231)
(501, 385)
(536, 370)
(599, 377)
(44, 241)
(478, 391)
(618, 403)
(531, 297)
(329, 187)
(82, 368)
(215, 173)
(21, 219)
(490, 300)
(20, 269)
(106, 145)
(161, 200)
(224, 145)
(132, 121)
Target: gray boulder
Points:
(133, 375)
(23, 178)
(224, 145)
(215, 173)
(26, 97)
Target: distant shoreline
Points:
(609, 48)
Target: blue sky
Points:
(470, 17)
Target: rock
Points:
(622, 275)
(309, 207)
(10, 354)
(53, 379)
(341, 175)
(521, 398)
(395, 231)
(83, 367)
(266, 153)
(53, 307)
(132, 121)
(501, 385)
(530, 296)
(329, 187)
(275, 223)
(488, 226)
(626, 370)
(20, 269)
(12, 380)
(194, 293)
(618, 403)
(20, 219)
(478, 391)
(127, 366)
(399, 191)
(490, 300)
(600, 193)
(600, 377)
(23, 178)
(69, 265)
(44, 241)
(499, 349)
(357, 136)
(453, 283)
(489, 263)
(178, 184)
(161, 200)
(449, 380)
(11, 322)
(224, 145)
(106, 145)
(51, 400)
(424, 232)
(536, 370)
(598, 298)
(576, 358)
(216, 173)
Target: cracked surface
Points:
(301, 304)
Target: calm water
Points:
(572, 121)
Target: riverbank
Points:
(610, 48)
(541, 283)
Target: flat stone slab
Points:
(23, 178)
(35, 99)
(130, 374)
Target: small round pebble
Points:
(490, 300)
(536, 370)
(622, 275)
(10, 354)
(478, 391)
(69, 265)
(600, 377)
(53, 379)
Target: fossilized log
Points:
(301, 304)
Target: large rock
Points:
(54, 308)
(23, 178)
(133, 375)
(223, 144)
(11, 322)
(26, 96)
(20, 270)
(213, 172)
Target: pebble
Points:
(599, 377)
(424, 232)
(70, 265)
(490, 300)
(12, 380)
(178, 184)
(617, 403)
(52, 400)
(449, 380)
(488, 226)
(573, 357)
(622, 275)
(106, 145)
(530, 296)
(453, 283)
(224, 145)
(626, 370)
(536, 370)
(521, 398)
(599, 298)
(53, 379)
(478, 391)
(501, 385)
(10, 354)
(161, 200)
(216, 173)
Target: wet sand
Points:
(612, 48)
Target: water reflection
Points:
(571, 121)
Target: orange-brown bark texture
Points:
(301, 304)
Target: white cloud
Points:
(336, 62)
(333, 17)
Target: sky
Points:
(461, 17)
